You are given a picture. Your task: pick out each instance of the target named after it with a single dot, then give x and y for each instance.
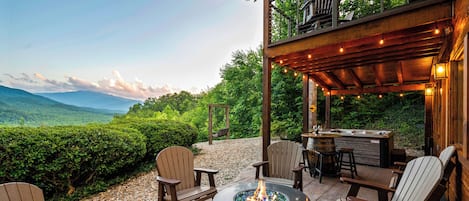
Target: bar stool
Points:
(350, 164)
(320, 160)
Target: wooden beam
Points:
(318, 81)
(334, 80)
(383, 89)
(399, 75)
(377, 77)
(358, 83)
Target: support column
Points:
(465, 133)
(428, 149)
(313, 100)
(266, 83)
(266, 105)
(327, 124)
(306, 100)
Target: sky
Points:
(130, 48)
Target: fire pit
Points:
(259, 191)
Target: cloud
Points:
(116, 85)
(24, 78)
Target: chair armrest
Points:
(298, 169)
(258, 167)
(354, 199)
(298, 178)
(168, 186)
(205, 170)
(167, 181)
(356, 184)
(209, 172)
(401, 165)
(398, 172)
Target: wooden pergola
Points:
(392, 51)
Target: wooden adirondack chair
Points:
(20, 191)
(284, 159)
(175, 166)
(445, 157)
(420, 178)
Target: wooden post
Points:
(465, 133)
(306, 104)
(313, 100)
(428, 149)
(266, 84)
(209, 124)
(327, 124)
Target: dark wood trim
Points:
(465, 147)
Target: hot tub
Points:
(371, 147)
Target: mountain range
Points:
(92, 99)
(19, 107)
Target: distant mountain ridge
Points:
(19, 107)
(92, 99)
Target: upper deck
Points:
(390, 50)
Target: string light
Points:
(437, 31)
(358, 97)
(285, 70)
(401, 95)
(281, 61)
(341, 50)
(381, 42)
(310, 56)
(341, 97)
(380, 96)
(317, 85)
(295, 74)
(272, 66)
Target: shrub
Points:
(162, 133)
(58, 159)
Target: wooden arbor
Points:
(225, 131)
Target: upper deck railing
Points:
(293, 18)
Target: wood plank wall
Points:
(451, 124)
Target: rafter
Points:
(334, 80)
(400, 78)
(358, 83)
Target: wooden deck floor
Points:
(331, 188)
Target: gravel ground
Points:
(230, 157)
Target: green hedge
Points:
(58, 159)
(162, 133)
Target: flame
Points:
(261, 193)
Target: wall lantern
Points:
(441, 71)
(428, 90)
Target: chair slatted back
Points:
(322, 7)
(20, 191)
(177, 162)
(283, 157)
(446, 154)
(420, 178)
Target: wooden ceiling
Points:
(402, 62)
